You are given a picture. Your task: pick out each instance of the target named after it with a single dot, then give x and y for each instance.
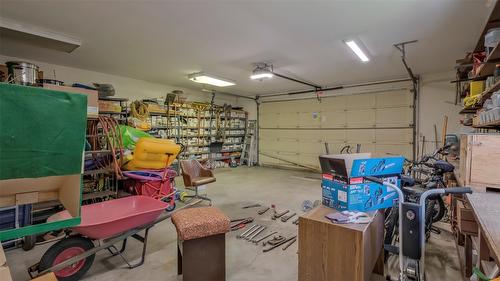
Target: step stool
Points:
(201, 243)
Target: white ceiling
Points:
(164, 41)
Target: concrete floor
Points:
(244, 261)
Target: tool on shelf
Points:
(257, 227)
(286, 218)
(239, 236)
(260, 239)
(279, 244)
(279, 215)
(240, 223)
(263, 211)
(289, 244)
(251, 206)
(274, 240)
(262, 228)
(296, 221)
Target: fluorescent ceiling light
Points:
(37, 36)
(261, 76)
(205, 78)
(357, 50)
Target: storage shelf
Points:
(113, 112)
(492, 124)
(113, 99)
(488, 67)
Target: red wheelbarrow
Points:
(109, 222)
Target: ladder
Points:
(249, 153)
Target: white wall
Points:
(130, 88)
(437, 98)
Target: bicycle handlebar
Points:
(457, 190)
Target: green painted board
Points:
(38, 228)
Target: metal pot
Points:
(23, 73)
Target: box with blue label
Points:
(344, 186)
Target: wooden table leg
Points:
(484, 252)
(468, 256)
(379, 265)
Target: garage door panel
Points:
(333, 119)
(389, 136)
(309, 159)
(360, 136)
(288, 156)
(309, 120)
(331, 136)
(311, 146)
(288, 120)
(394, 117)
(361, 118)
(274, 107)
(333, 103)
(360, 101)
(269, 120)
(382, 150)
(364, 116)
(268, 160)
(393, 99)
(310, 105)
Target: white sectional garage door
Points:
(296, 131)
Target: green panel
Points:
(42, 132)
(38, 228)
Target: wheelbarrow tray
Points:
(110, 218)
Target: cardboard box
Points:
(92, 97)
(5, 273)
(46, 277)
(3, 260)
(4, 73)
(344, 188)
(109, 106)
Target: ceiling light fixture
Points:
(205, 78)
(262, 71)
(357, 50)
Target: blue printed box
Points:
(344, 188)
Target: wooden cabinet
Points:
(330, 252)
(480, 161)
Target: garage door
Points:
(296, 131)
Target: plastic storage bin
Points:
(492, 37)
(495, 98)
(476, 88)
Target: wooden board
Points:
(486, 207)
(480, 161)
(330, 251)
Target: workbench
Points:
(486, 209)
(329, 251)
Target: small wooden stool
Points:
(201, 243)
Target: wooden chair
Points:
(194, 176)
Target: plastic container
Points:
(494, 114)
(492, 38)
(495, 99)
(476, 88)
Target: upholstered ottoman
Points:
(201, 243)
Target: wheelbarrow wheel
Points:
(63, 250)
(171, 206)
